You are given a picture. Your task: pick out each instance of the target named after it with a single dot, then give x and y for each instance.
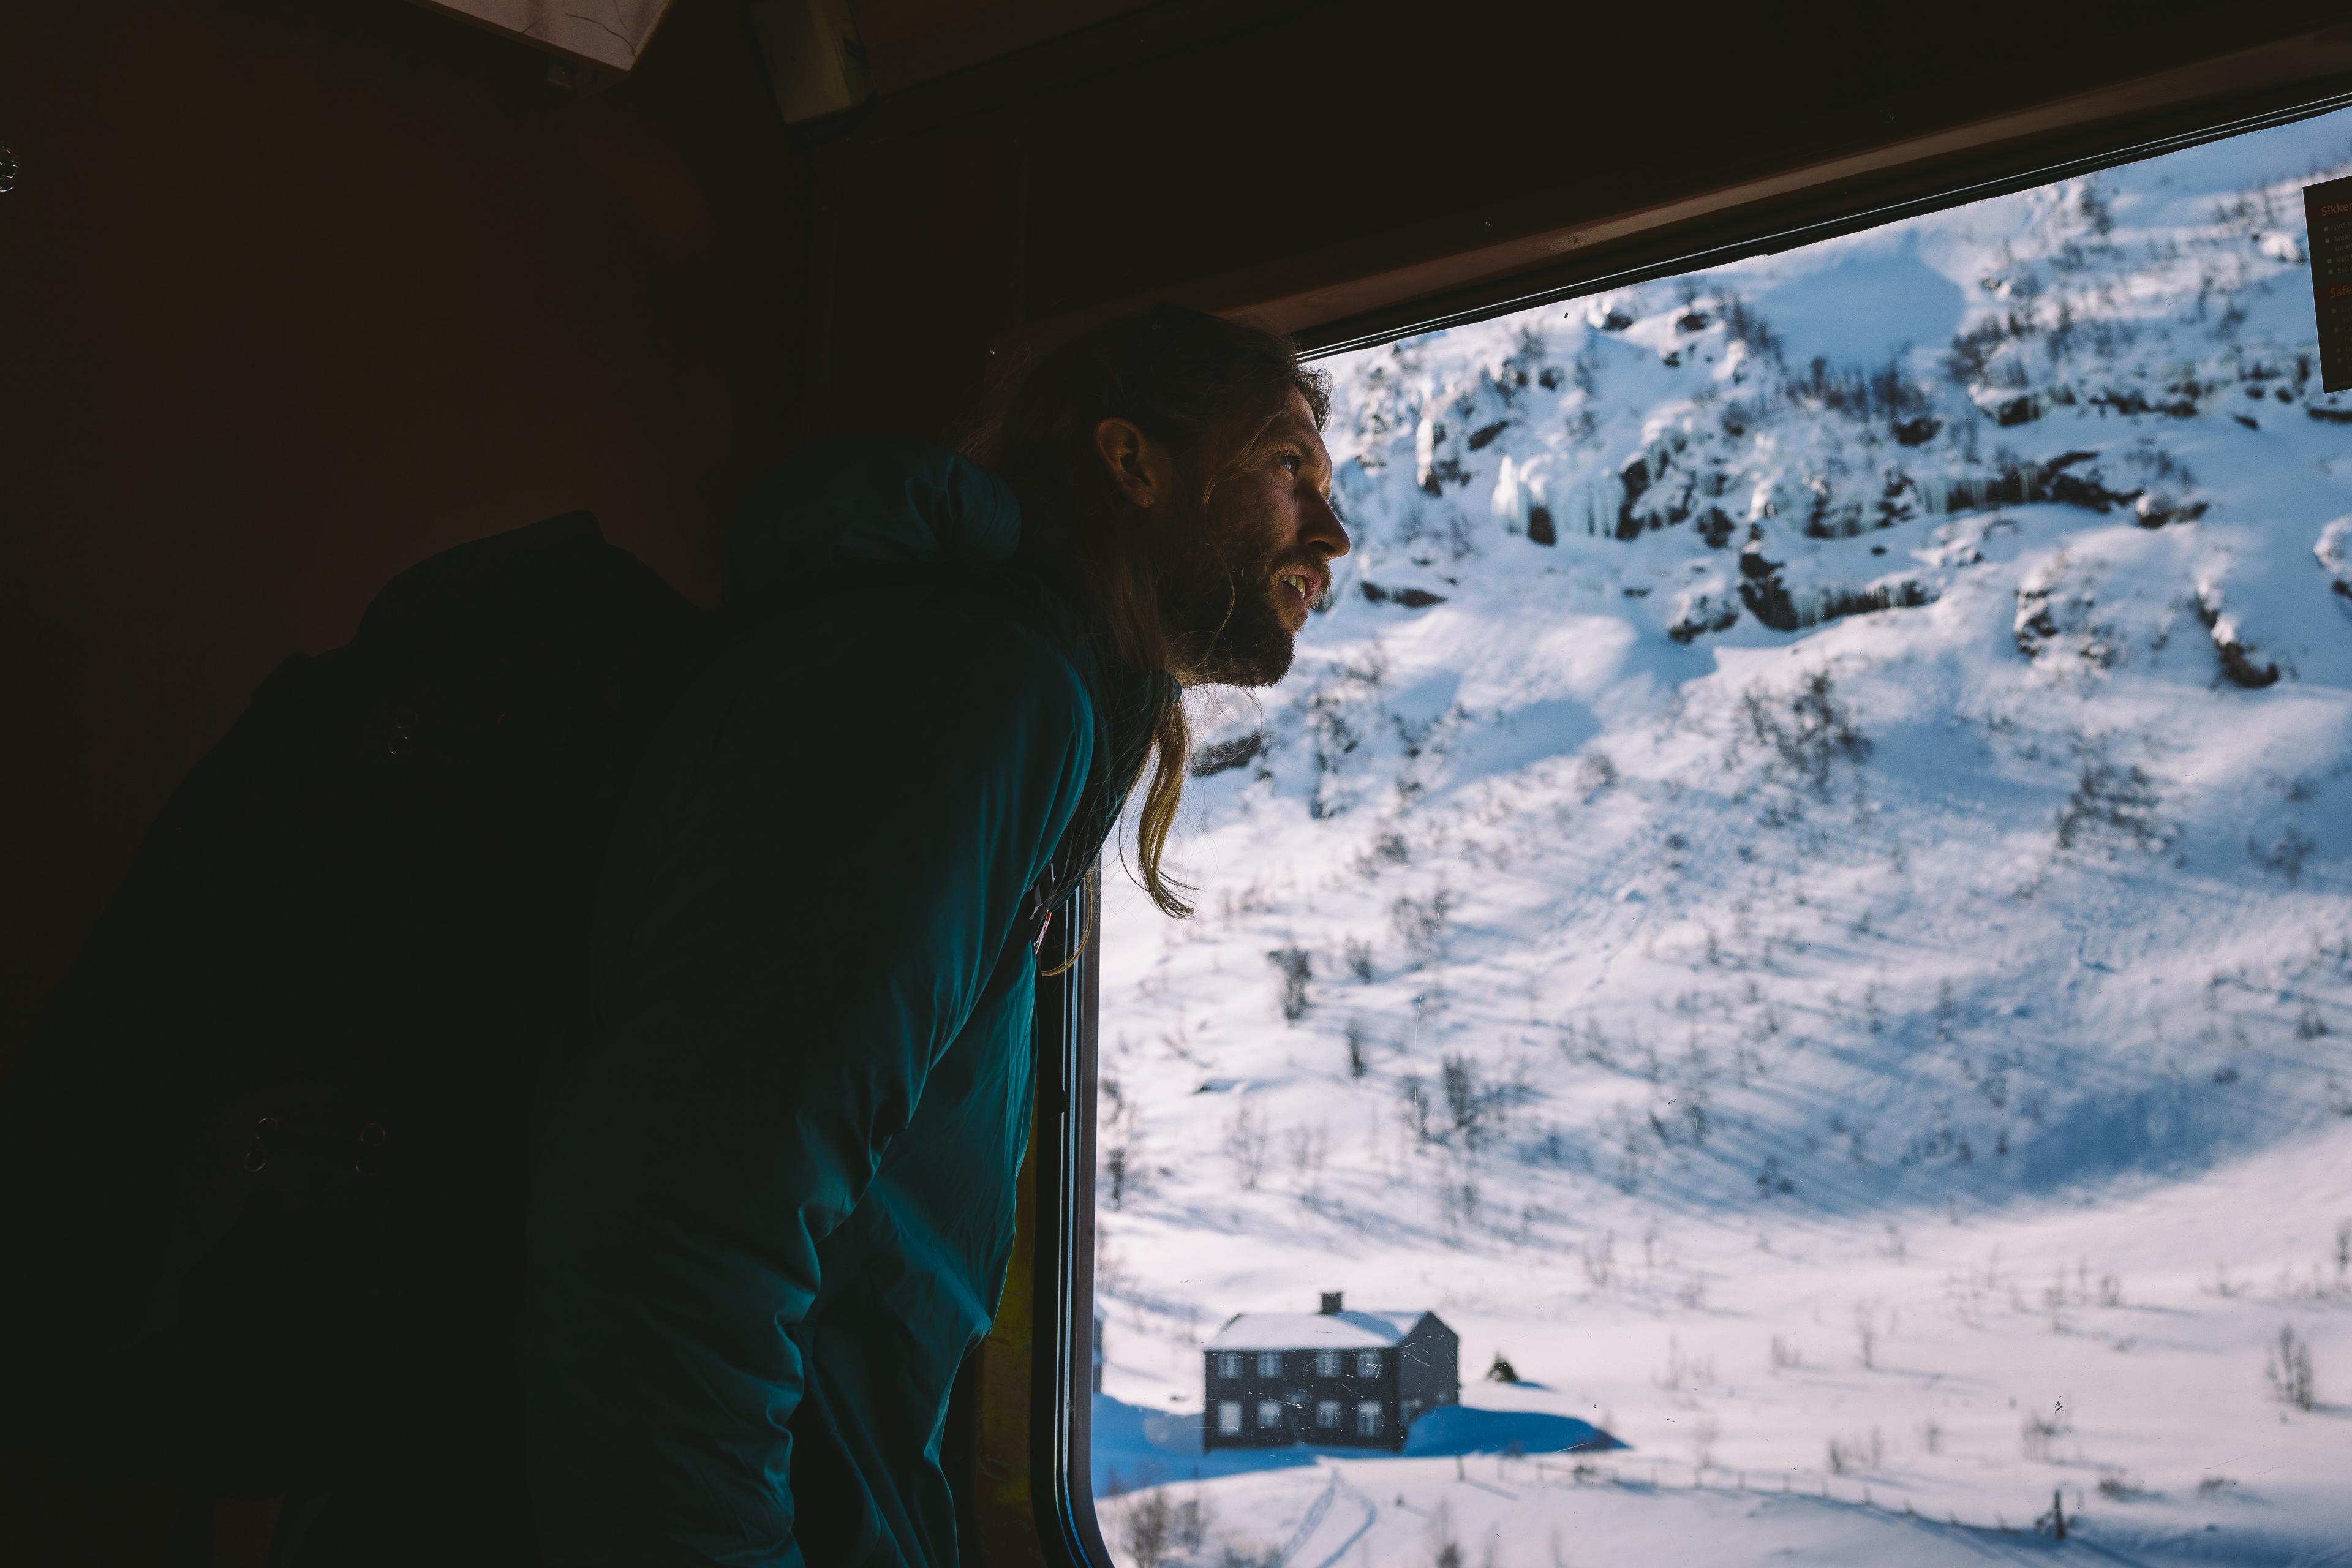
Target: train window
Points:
(1778, 979)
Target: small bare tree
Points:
(1245, 1145)
(1150, 1527)
(2287, 1369)
(1705, 1432)
(1865, 1334)
(1297, 966)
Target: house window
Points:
(1367, 1418)
(1368, 1364)
(1229, 1363)
(1269, 1363)
(1229, 1417)
(1326, 1363)
(1326, 1415)
(1269, 1413)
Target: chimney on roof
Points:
(1330, 1303)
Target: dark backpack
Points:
(265, 1167)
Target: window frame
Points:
(1812, 204)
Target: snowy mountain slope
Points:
(1813, 774)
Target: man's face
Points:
(1238, 575)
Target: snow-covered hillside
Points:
(1798, 893)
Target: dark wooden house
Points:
(1354, 1380)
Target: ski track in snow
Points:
(1814, 901)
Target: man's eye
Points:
(1291, 461)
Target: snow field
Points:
(1839, 964)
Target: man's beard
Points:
(1216, 600)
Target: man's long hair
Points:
(1174, 373)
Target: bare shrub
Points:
(1193, 1517)
(1786, 1357)
(1816, 731)
(1359, 955)
(1424, 925)
(1444, 1546)
(1416, 1111)
(1310, 1148)
(1601, 1261)
(1149, 1525)
(1245, 1145)
(2037, 1432)
(2117, 802)
(1931, 1436)
(1705, 1432)
(1467, 1100)
(1121, 1139)
(1596, 772)
(2286, 1367)
(1357, 1058)
(1297, 966)
(1457, 1200)
(1849, 1454)
(1866, 1330)
(1685, 1373)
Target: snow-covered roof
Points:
(1314, 1331)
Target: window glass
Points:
(1326, 1413)
(1229, 1415)
(1229, 1364)
(1269, 1413)
(1269, 1363)
(1788, 940)
(1326, 1363)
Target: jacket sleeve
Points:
(817, 872)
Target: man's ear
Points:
(1136, 464)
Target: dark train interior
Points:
(304, 294)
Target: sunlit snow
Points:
(1815, 898)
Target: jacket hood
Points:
(867, 501)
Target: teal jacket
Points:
(772, 1191)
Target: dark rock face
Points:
(1635, 476)
(2237, 660)
(1226, 755)
(2060, 483)
(1715, 526)
(2019, 411)
(1411, 598)
(1917, 432)
(1485, 433)
(1539, 526)
(1761, 588)
(2131, 400)
(1703, 613)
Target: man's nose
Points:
(1322, 529)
